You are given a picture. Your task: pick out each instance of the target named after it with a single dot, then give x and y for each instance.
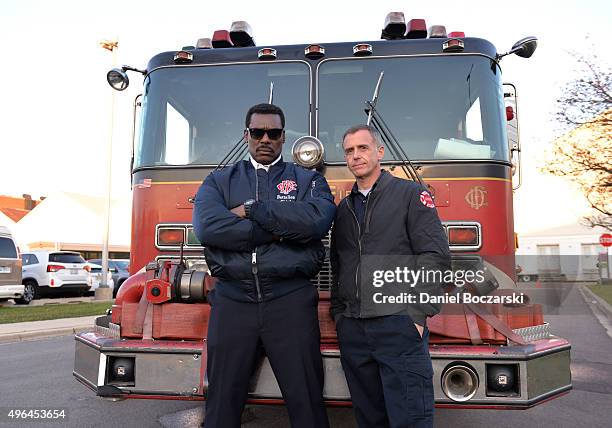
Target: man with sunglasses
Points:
(261, 221)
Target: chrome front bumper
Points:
(173, 369)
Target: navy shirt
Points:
(359, 204)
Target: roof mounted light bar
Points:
(437, 32)
(395, 26)
(416, 29)
(241, 34)
(221, 39)
(204, 43)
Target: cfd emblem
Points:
(286, 186)
(427, 200)
(477, 197)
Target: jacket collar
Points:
(380, 182)
(257, 165)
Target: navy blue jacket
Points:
(278, 249)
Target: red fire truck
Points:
(447, 120)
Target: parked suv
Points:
(50, 272)
(10, 270)
(120, 270)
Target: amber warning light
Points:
(170, 236)
(464, 235)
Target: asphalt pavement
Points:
(38, 374)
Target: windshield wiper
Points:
(235, 154)
(389, 140)
(271, 97)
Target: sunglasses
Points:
(258, 134)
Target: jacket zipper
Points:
(254, 253)
(359, 244)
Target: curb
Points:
(601, 303)
(41, 334)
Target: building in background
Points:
(571, 252)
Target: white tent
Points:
(76, 221)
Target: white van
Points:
(10, 270)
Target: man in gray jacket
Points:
(385, 231)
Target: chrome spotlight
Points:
(308, 151)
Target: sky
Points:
(55, 112)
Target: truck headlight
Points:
(308, 151)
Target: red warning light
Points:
(266, 54)
(362, 49)
(453, 45)
(417, 29)
(183, 57)
(314, 52)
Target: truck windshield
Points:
(195, 115)
(442, 107)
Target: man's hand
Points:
(239, 211)
(419, 329)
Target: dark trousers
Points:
(287, 329)
(388, 371)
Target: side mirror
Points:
(118, 79)
(525, 47)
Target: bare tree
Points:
(584, 154)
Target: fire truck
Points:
(447, 120)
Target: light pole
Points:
(104, 292)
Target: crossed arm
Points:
(299, 221)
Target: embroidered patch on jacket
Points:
(286, 186)
(427, 200)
